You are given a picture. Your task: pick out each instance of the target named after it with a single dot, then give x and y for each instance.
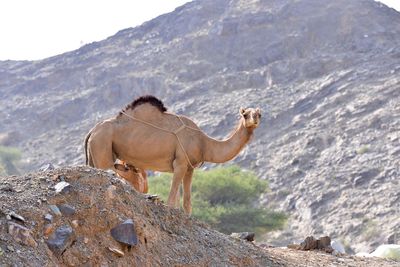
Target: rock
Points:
(62, 187)
(249, 236)
(48, 217)
(10, 248)
(110, 193)
(309, 243)
(154, 198)
(393, 238)
(21, 234)
(60, 240)
(324, 242)
(46, 167)
(75, 223)
(118, 252)
(17, 217)
(66, 210)
(48, 229)
(294, 246)
(55, 210)
(337, 246)
(125, 233)
(363, 254)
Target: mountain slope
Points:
(325, 73)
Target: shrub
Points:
(9, 156)
(363, 150)
(226, 198)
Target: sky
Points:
(37, 29)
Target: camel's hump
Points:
(147, 99)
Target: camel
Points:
(137, 178)
(148, 137)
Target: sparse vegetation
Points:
(370, 229)
(9, 157)
(226, 198)
(363, 150)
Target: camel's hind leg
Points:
(100, 151)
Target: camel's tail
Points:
(86, 148)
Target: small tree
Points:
(9, 156)
(226, 198)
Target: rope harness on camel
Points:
(183, 126)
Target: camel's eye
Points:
(246, 115)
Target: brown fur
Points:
(149, 148)
(152, 100)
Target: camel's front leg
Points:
(187, 188)
(179, 173)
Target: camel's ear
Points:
(242, 111)
(258, 110)
(120, 167)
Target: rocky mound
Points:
(82, 216)
(325, 73)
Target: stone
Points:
(110, 194)
(66, 210)
(249, 236)
(125, 233)
(393, 238)
(116, 251)
(294, 246)
(55, 210)
(75, 223)
(323, 242)
(309, 243)
(154, 198)
(48, 229)
(17, 217)
(62, 187)
(60, 240)
(21, 234)
(48, 217)
(338, 246)
(46, 167)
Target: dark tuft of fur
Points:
(152, 100)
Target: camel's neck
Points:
(222, 151)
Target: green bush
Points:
(9, 157)
(226, 198)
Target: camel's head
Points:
(251, 117)
(137, 178)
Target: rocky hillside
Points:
(325, 73)
(85, 217)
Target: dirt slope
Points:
(94, 202)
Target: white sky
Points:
(36, 29)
